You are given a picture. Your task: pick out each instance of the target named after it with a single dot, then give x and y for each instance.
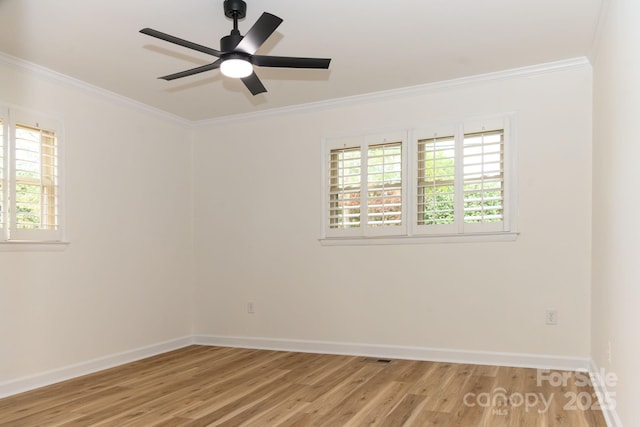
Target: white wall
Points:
(124, 282)
(616, 230)
(257, 215)
(133, 277)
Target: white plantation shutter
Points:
(345, 175)
(384, 185)
(461, 184)
(461, 181)
(34, 198)
(436, 174)
(483, 176)
(365, 178)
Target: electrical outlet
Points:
(251, 308)
(551, 316)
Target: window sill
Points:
(419, 240)
(29, 246)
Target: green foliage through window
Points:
(436, 175)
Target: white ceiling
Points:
(375, 45)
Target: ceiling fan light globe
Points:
(236, 68)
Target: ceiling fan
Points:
(236, 56)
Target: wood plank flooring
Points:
(216, 386)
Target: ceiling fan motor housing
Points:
(229, 43)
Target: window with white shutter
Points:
(344, 188)
(461, 183)
(483, 175)
(36, 179)
(436, 196)
(31, 188)
(384, 185)
(365, 191)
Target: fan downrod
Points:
(235, 9)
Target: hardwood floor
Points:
(202, 386)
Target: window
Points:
(384, 185)
(30, 187)
(365, 186)
(460, 182)
(344, 189)
(483, 177)
(436, 179)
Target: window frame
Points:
(439, 130)
(459, 231)
(4, 174)
(12, 118)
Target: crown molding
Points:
(418, 90)
(56, 77)
(603, 15)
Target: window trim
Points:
(4, 177)
(421, 239)
(422, 234)
(26, 239)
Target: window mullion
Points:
(410, 182)
(458, 185)
(11, 180)
(364, 188)
(4, 175)
(508, 172)
(48, 177)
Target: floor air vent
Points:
(376, 360)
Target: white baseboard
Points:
(401, 352)
(605, 396)
(31, 382)
(19, 385)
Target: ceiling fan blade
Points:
(290, 62)
(181, 42)
(254, 84)
(261, 30)
(193, 71)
